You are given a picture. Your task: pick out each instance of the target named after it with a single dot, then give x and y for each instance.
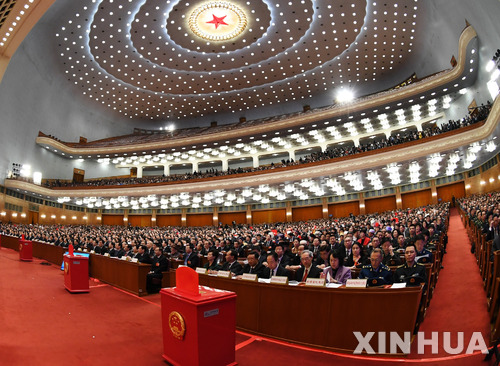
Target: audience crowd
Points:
(353, 238)
(483, 210)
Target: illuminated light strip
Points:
(15, 23)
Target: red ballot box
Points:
(76, 273)
(198, 329)
(25, 250)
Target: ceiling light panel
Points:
(143, 60)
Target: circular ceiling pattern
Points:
(143, 60)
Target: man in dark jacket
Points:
(159, 264)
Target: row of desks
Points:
(125, 275)
(319, 317)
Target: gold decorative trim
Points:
(177, 325)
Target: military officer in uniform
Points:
(423, 255)
(376, 273)
(411, 272)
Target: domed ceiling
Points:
(153, 59)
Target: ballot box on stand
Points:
(199, 323)
(76, 273)
(25, 250)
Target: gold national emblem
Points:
(66, 267)
(177, 325)
(21, 246)
(412, 280)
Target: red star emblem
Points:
(218, 21)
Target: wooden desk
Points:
(10, 242)
(320, 317)
(126, 275)
(50, 253)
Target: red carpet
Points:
(42, 324)
(459, 301)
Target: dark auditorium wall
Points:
(112, 220)
(307, 213)
(445, 193)
(344, 209)
(380, 204)
(416, 199)
(227, 218)
(199, 220)
(268, 216)
(168, 220)
(139, 220)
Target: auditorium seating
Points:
(488, 262)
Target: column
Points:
(183, 217)
(215, 219)
(434, 192)
(255, 161)
(356, 141)
(289, 212)
(153, 218)
(325, 207)
(249, 214)
(399, 200)
(291, 154)
(362, 209)
(166, 170)
(125, 217)
(195, 166)
(225, 164)
(139, 172)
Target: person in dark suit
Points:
(307, 270)
(238, 248)
(212, 264)
(495, 247)
(232, 263)
(423, 255)
(391, 258)
(346, 248)
(100, 248)
(322, 259)
(357, 258)
(142, 255)
(253, 266)
(128, 250)
(273, 269)
(191, 258)
(158, 266)
(283, 258)
(493, 230)
(117, 251)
